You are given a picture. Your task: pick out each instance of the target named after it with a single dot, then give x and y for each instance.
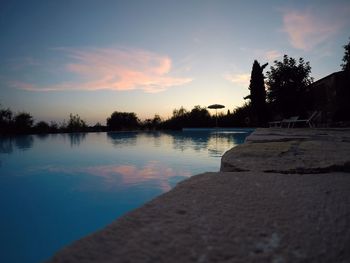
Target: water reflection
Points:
(190, 140)
(82, 189)
(216, 142)
(6, 145)
(220, 142)
(23, 142)
(114, 177)
(43, 136)
(122, 138)
(76, 139)
(156, 137)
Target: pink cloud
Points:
(30, 87)
(272, 54)
(115, 69)
(241, 79)
(306, 30)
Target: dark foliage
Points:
(198, 117)
(177, 121)
(240, 117)
(346, 58)
(343, 113)
(6, 121)
(75, 123)
(152, 124)
(258, 95)
(42, 127)
(287, 83)
(23, 122)
(122, 120)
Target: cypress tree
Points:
(258, 95)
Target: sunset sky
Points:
(149, 57)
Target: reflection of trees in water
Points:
(196, 141)
(76, 138)
(122, 138)
(156, 137)
(217, 143)
(220, 142)
(6, 145)
(23, 142)
(42, 136)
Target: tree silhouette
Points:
(199, 117)
(178, 120)
(257, 95)
(154, 123)
(346, 58)
(179, 113)
(287, 83)
(23, 121)
(42, 127)
(343, 88)
(6, 120)
(75, 123)
(122, 120)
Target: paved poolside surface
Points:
(283, 196)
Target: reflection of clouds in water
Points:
(120, 139)
(115, 176)
(22, 142)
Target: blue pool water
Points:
(57, 188)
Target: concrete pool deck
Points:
(283, 196)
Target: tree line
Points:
(198, 117)
(23, 122)
(284, 92)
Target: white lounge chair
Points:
(275, 124)
(306, 121)
(283, 123)
(289, 122)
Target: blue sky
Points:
(149, 57)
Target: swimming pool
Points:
(57, 188)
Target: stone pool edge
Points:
(281, 196)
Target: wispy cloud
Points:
(272, 55)
(113, 69)
(306, 29)
(262, 55)
(238, 79)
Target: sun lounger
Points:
(275, 124)
(285, 123)
(289, 123)
(306, 121)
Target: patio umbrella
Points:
(216, 107)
